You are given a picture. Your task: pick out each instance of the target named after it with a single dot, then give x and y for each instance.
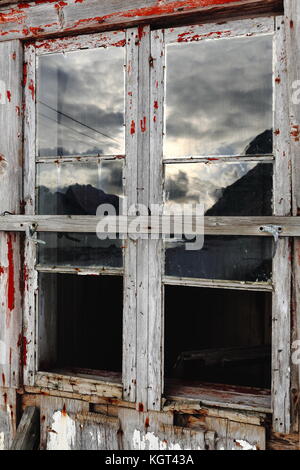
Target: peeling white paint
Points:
(245, 445)
(2, 347)
(2, 447)
(150, 441)
(63, 432)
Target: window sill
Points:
(83, 382)
(222, 396)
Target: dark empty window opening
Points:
(80, 323)
(218, 336)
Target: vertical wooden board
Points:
(58, 430)
(292, 25)
(281, 318)
(143, 154)
(8, 400)
(29, 323)
(131, 184)
(94, 432)
(245, 437)
(141, 430)
(156, 319)
(11, 58)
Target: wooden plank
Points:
(44, 19)
(92, 271)
(30, 288)
(281, 316)
(219, 159)
(79, 384)
(91, 41)
(212, 225)
(279, 441)
(28, 432)
(8, 418)
(11, 58)
(156, 249)
(57, 428)
(131, 184)
(292, 22)
(143, 254)
(218, 284)
(245, 437)
(236, 28)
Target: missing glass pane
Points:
(75, 312)
(219, 97)
(81, 103)
(223, 337)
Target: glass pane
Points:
(81, 103)
(225, 189)
(80, 323)
(79, 250)
(78, 188)
(225, 337)
(222, 257)
(219, 97)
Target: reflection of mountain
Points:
(234, 258)
(76, 200)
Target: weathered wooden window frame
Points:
(143, 333)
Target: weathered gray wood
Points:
(212, 225)
(216, 284)
(58, 430)
(44, 19)
(11, 57)
(292, 25)
(28, 432)
(156, 252)
(8, 399)
(281, 316)
(30, 288)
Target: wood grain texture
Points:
(281, 316)
(11, 58)
(8, 418)
(292, 25)
(45, 19)
(28, 432)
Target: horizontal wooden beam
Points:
(218, 284)
(47, 18)
(250, 226)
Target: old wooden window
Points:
(201, 123)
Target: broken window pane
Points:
(229, 258)
(80, 102)
(219, 97)
(80, 322)
(225, 189)
(225, 337)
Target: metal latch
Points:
(30, 234)
(275, 231)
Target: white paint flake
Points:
(245, 445)
(150, 441)
(62, 434)
(2, 441)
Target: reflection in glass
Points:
(81, 103)
(81, 250)
(225, 189)
(78, 189)
(219, 97)
(229, 258)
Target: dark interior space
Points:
(80, 322)
(218, 336)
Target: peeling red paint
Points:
(277, 132)
(24, 73)
(22, 343)
(21, 6)
(18, 111)
(64, 410)
(147, 423)
(295, 133)
(143, 123)
(79, 1)
(31, 88)
(59, 5)
(14, 55)
(141, 32)
(141, 407)
(5, 398)
(8, 94)
(154, 118)
(188, 36)
(132, 128)
(11, 274)
(14, 16)
(291, 24)
(2, 270)
(3, 380)
(277, 80)
(155, 104)
(212, 159)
